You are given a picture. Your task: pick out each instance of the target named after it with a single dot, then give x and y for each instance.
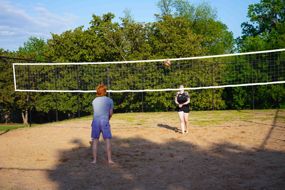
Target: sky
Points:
(21, 19)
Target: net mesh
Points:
(219, 71)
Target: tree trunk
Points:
(25, 117)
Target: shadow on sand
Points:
(274, 126)
(175, 129)
(6, 131)
(177, 165)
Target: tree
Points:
(11, 101)
(6, 85)
(188, 30)
(264, 30)
(34, 49)
(203, 21)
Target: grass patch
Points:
(196, 118)
(8, 127)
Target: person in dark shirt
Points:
(182, 99)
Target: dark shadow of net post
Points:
(142, 164)
(274, 126)
(6, 131)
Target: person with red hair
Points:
(102, 113)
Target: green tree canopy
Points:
(265, 28)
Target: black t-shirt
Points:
(182, 97)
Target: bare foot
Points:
(93, 162)
(111, 162)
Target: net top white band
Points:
(157, 60)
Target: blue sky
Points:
(20, 19)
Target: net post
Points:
(14, 77)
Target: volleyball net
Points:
(204, 72)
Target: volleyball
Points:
(167, 63)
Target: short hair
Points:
(101, 90)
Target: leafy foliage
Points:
(264, 30)
(181, 30)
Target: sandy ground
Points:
(243, 152)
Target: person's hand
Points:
(180, 105)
